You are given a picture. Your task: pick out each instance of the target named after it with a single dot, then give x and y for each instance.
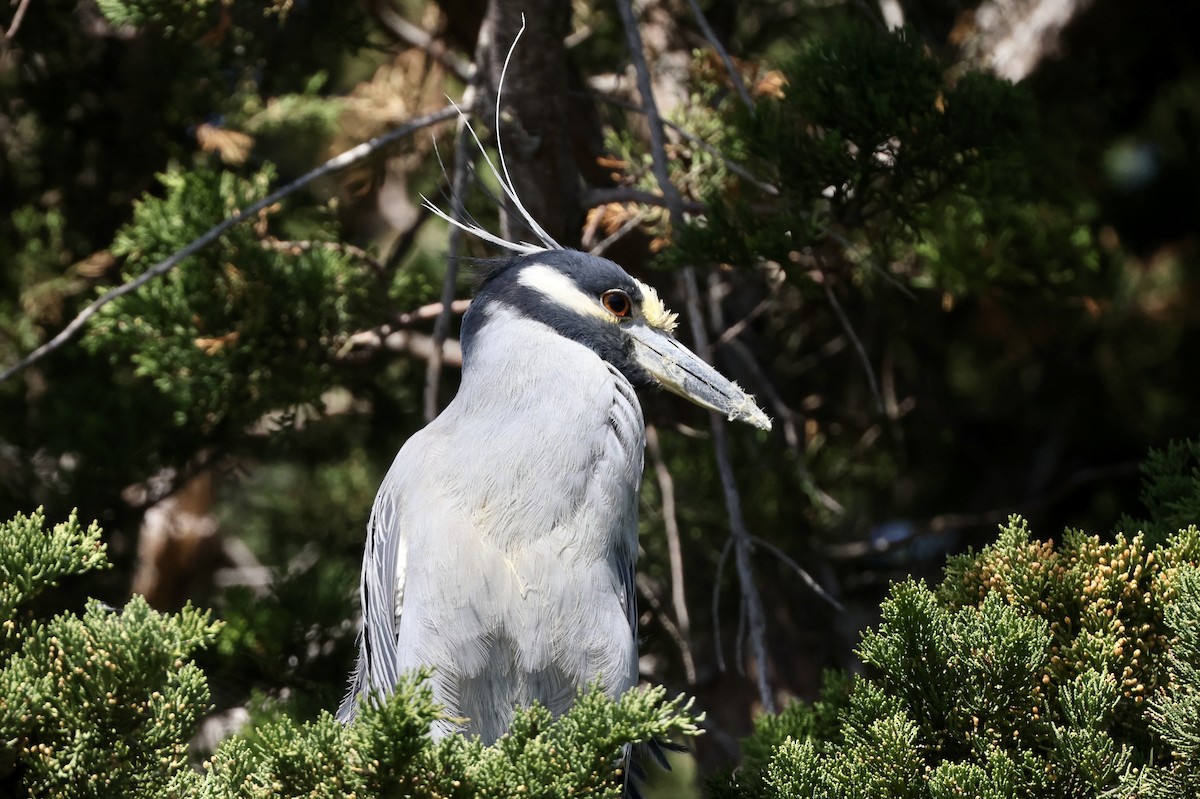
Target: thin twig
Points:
(414, 35)
(677, 635)
(458, 188)
(604, 195)
(711, 35)
(339, 162)
(19, 15)
(716, 602)
(858, 345)
(808, 579)
(666, 488)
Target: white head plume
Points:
(503, 178)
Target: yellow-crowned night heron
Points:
(502, 543)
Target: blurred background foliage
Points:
(952, 248)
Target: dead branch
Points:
(666, 488)
(808, 579)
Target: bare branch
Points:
(366, 343)
(598, 196)
(808, 579)
(666, 488)
(658, 147)
(742, 546)
(711, 35)
(716, 602)
(18, 15)
(339, 162)
(430, 311)
(404, 31)
(677, 635)
(858, 345)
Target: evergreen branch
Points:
(335, 164)
(291, 247)
(732, 166)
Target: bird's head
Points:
(596, 303)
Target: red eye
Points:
(617, 302)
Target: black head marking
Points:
(501, 285)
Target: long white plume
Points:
(502, 177)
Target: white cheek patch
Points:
(561, 290)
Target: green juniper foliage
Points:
(99, 704)
(104, 703)
(879, 155)
(242, 328)
(1034, 669)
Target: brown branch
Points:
(335, 164)
(666, 488)
(597, 196)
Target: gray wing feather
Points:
(382, 588)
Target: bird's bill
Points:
(682, 372)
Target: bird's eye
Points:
(617, 302)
